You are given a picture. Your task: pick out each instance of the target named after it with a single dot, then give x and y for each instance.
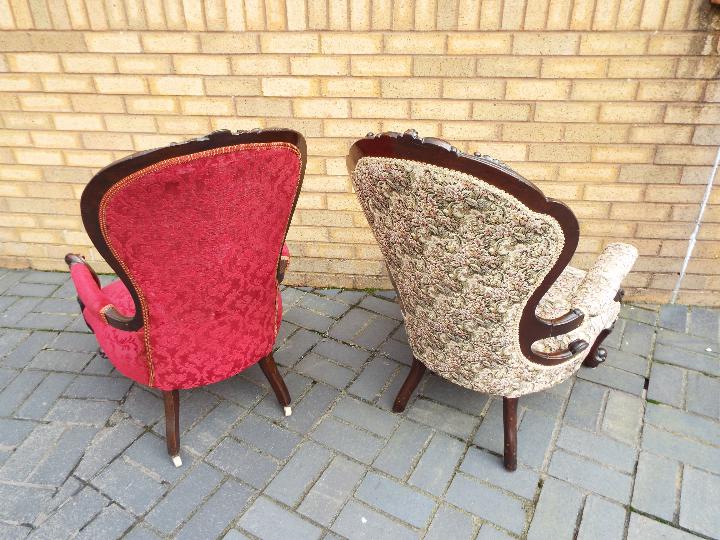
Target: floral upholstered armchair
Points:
(479, 258)
(195, 232)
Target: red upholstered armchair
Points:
(195, 232)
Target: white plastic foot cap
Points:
(288, 411)
(177, 461)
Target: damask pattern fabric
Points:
(200, 236)
(465, 257)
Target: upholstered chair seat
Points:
(196, 234)
(479, 259)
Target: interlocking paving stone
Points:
(703, 395)
(698, 506)
(217, 513)
(308, 319)
(436, 415)
(303, 468)
(358, 522)
(673, 317)
(585, 406)
(655, 490)
(674, 446)
(487, 503)
(322, 369)
(72, 516)
(266, 436)
(373, 378)
(490, 469)
(597, 447)
(395, 499)
(442, 390)
(601, 520)
(667, 384)
(267, 519)
(366, 416)
(243, 462)
(689, 425)
(403, 449)
(644, 528)
(450, 523)
(129, 486)
(623, 416)
(437, 464)
(349, 440)
(345, 355)
(614, 378)
(328, 495)
(110, 523)
(69, 421)
(591, 476)
(184, 498)
(556, 512)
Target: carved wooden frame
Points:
(434, 151)
(106, 178)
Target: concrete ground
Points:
(628, 450)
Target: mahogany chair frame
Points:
(107, 177)
(433, 151)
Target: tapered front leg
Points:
(277, 383)
(510, 427)
(172, 425)
(417, 370)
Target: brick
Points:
(591, 476)
(113, 42)
(445, 66)
(599, 44)
(623, 417)
(473, 89)
(214, 516)
(689, 425)
(349, 440)
(476, 44)
(395, 499)
(450, 523)
(666, 384)
(330, 492)
(557, 511)
(128, 486)
(112, 521)
(545, 43)
(105, 446)
(34, 62)
(351, 43)
(285, 86)
(381, 66)
(293, 481)
(145, 63)
(537, 90)
(601, 519)
(701, 395)
(197, 64)
(289, 43)
(360, 522)
(403, 449)
(574, 68)
(508, 66)
(644, 528)
(597, 447)
(655, 485)
(227, 43)
(487, 503)
(451, 421)
(175, 43)
(695, 506)
(260, 65)
(319, 65)
(489, 468)
(249, 466)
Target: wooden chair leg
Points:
(417, 370)
(172, 425)
(597, 354)
(270, 370)
(510, 425)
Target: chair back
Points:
(468, 244)
(195, 231)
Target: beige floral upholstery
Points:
(465, 257)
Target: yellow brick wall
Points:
(610, 105)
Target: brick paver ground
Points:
(628, 450)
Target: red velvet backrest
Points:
(199, 237)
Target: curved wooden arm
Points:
(108, 313)
(563, 324)
(563, 355)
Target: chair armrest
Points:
(601, 284)
(90, 294)
(283, 263)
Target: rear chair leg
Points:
(270, 370)
(413, 379)
(172, 425)
(597, 354)
(510, 427)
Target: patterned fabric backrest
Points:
(465, 257)
(200, 236)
